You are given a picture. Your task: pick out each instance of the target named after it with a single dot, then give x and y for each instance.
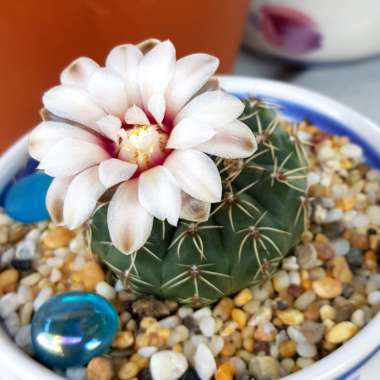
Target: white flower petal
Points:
(114, 171)
(191, 73)
(55, 197)
(81, 198)
(78, 72)
(189, 133)
(48, 133)
(72, 103)
(135, 115)
(69, 157)
(193, 209)
(124, 60)
(234, 140)
(196, 174)
(159, 194)
(148, 44)
(156, 70)
(108, 90)
(215, 107)
(129, 223)
(156, 107)
(109, 126)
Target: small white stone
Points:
(204, 362)
(31, 279)
(290, 263)
(358, 318)
(61, 252)
(202, 313)
(295, 277)
(325, 153)
(44, 269)
(170, 322)
(12, 323)
(33, 234)
(55, 262)
(296, 335)
(328, 202)
(8, 304)
(77, 244)
(55, 275)
(304, 300)
(24, 294)
(216, 345)
(333, 215)
(188, 350)
(5, 220)
(105, 290)
(373, 213)
(374, 297)
(207, 326)
(167, 365)
(360, 221)
(341, 246)
(352, 151)
(306, 350)
(184, 311)
(76, 373)
(43, 295)
(23, 336)
(198, 339)
(147, 351)
(26, 250)
(313, 178)
(8, 255)
(239, 364)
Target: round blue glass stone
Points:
(25, 200)
(71, 328)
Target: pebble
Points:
(58, 237)
(341, 270)
(76, 373)
(26, 250)
(327, 287)
(312, 331)
(304, 300)
(373, 213)
(216, 344)
(226, 371)
(374, 297)
(290, 317)
(202, 313)
(147, 352)
(24, 294)
(123, 339)
(100, 368)
(204, 362)
(8, 255)
(184, 311)
(8, 304)
(170, 322)
(264, 367)
(26, 312)
(325, 251)
(243, 297)
(307, 256)
(31, 279)
(43, 295)
(12, 323)
(333, 216)
(128, 370)
(240, 317)
(23, 336)
(105, 290)
(306, 350)
(341, 332)
(168, 365)
(55, 262)
(358, 318)
(8, 280)
(224, 308)
(288, 348)
(207, 326)
(91, 275)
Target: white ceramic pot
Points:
(358, 358)
(314, 31)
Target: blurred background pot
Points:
(38, 39)
(314, 31)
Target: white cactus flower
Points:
(141, 126)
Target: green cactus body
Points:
(247, 235)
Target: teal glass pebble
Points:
(71, 328)
(25, 200)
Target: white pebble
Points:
(374, 297)
(26, 250)
(325, 153)
(333, 215)
(360, 221)
(61, 252)
(216, 344)
(23, 336)
(8, 304)
(147, 351)
(306, 350)
(33, 234)
(358, 318)
(55, 275)
(170, 322)
(184, 311)
(12, 323)
(43, 295)
(167, 365)
(296, 335)
(44, 269)
(204, 362)
(373, 213)
(239, 364)
(313, 178)
(24, 294)
(207, 326)
(55, 262)
(304, 300)
(77, 244)
(304, 362)
(352, 151)
(295, 277)
(341, 246)
(8, 255)
(105, 290)
(290, 263)
(202, 313)
(31, 279)
(76, 373)
(197, 339)
(78, 263)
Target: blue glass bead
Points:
(71, 328)
(25, 200)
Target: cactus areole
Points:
(191, 193)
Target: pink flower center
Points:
(143, 145)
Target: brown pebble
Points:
(128, 371)
(8, 280)
(327, 287)
(324, 250)
(295, 290)
(264, 336)
(311, 313)
(312, 331)
(91, 274)
(17, 232)
(344, 309)
(341, 270)
(359, 241)
(224, 308)
(100, 368)
(261, 346)
(370, 261)
(150, 307)
(123, 339)
(58, 237)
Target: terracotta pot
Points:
(39, 38)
